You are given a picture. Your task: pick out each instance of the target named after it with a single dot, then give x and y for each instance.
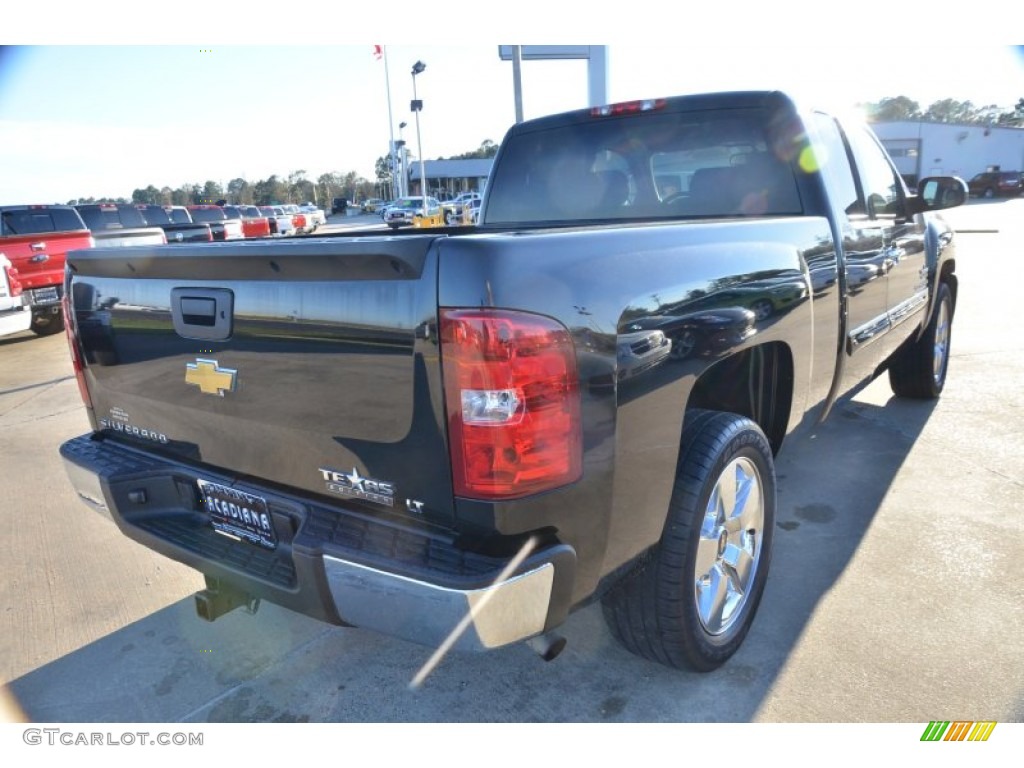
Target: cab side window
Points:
(831, 154)
(881, 187)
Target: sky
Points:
(128, 110)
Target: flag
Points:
(378, 51)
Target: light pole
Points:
(391, 123)
(403, 173)
(417, 107)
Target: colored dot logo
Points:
(206, 50)
(961, 730)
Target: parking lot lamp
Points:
(417, 107)
(403, 172)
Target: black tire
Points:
(661, 610)
(683, 345)
(762, 309)
(989, 193)
(920, 366)
(48, 325)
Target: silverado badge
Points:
(210, 377)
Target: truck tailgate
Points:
(313, 366)
(39, 258)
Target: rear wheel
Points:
(988, 193)
(692, 600)
(920, 366)
(47, 324)
(762, 309)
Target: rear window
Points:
(207, 214)
(99, 218)
(649, 166)
(155, 215)
(180, 216)
(31, 221)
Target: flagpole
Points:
(391, 124)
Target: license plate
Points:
(238, 514)
(47, 295)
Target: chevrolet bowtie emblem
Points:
(210, 377)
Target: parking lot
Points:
(896, 594)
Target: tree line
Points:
(893, 108)
(293, 188)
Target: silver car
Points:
(402, 212)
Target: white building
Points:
(921, 148)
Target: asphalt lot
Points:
(896, 594)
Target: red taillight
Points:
(12, 280)
(512, 401)
(70, 329)
(627, 107)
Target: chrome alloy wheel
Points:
(729, 547)
(941, 344)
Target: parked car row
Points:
(460, 210)
(236, 222)
(140, 224)
(36, 238)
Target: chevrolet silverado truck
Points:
(35, 238)
(458, 436)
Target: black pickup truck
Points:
(175, 231)
(458, 436)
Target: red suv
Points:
(993, 183)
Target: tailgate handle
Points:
(203, 313)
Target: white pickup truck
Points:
(15, 313)
(315, 214)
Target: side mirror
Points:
(935, 193)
